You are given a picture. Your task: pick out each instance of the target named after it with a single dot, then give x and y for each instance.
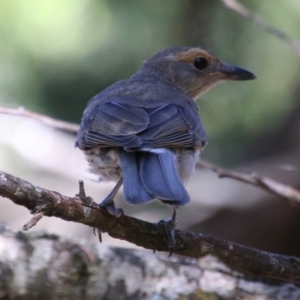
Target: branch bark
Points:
(144, 234)
(59, 268)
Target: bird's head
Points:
(194, 69)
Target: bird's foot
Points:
(88, 201)
(109, 204)
(169, 228)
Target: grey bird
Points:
(145, 132)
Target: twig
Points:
(245, 12)
(57, 124)
(33, 221)
(148, 235)
(272, 186)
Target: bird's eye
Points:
(200, 63)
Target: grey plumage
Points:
(133, 126)
(146, 129)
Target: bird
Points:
(145, 132)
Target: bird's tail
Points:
(152, 174)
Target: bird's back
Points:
(139, 129)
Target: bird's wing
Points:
(133, 123)
(111, 124)
(173, 126)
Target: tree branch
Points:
(60, 268)
(246, 13)
(148, 235)
(57, 124)
(272, 186)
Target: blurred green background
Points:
(55, 55)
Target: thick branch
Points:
(274, 187)
(246, 13)
(147, 235)
(59, 268)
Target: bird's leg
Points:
(169, 228)
(108, 201)
(109, 204)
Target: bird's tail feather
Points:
(160, 177)
(134, 189)
(148, 175)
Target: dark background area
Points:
(56, 55)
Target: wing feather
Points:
(135, 123)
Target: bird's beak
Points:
(230, 72)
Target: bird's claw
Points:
(97, 232)
(169, 229)
(117, 212)
(109, 204)
(110, 207)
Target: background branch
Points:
(246, 13)
(147, 235)
(57, 124)
(272, 186)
